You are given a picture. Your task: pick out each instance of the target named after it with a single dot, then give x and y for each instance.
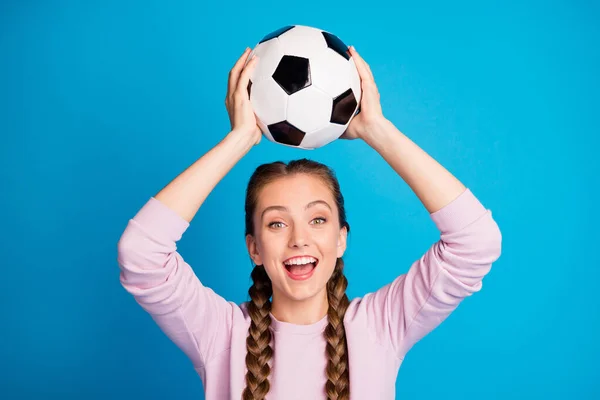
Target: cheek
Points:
(269, 248)
(270, 245)
(329, 242)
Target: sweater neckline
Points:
(287, 327)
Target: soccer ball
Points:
(305, 88)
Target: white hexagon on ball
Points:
(302, 41)
(322, 136)
(309, 109)
(320, 68)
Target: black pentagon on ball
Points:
(286, 133)
(343, 107)
(276, 33)
(336, 44)
(292, 74)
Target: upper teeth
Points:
(300, 260)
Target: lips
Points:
(302, 269)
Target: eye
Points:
(323, 220)
(275, 224)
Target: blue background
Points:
(102, 103)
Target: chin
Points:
(306, 290)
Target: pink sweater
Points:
(380, 327)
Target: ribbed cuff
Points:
(460, 213)
(160, 220)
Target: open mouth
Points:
(301, 270)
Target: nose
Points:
(298, 237)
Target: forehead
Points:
(297, 189)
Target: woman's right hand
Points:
(241, 114)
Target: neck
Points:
(300, 312)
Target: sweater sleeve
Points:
(164, 285)
(407, 309)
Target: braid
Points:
(258, 343)
(338, 379)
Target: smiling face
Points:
(296, 216)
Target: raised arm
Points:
(453, 268)
(187, 192)
(152, 270)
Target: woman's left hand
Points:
(370, 107)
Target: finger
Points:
(360, 66)
(370, 72)
(242, 84)
(234, 74)
(363, 68)
(362, 61)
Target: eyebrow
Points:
(285, 209)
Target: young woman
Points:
(299, 337)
